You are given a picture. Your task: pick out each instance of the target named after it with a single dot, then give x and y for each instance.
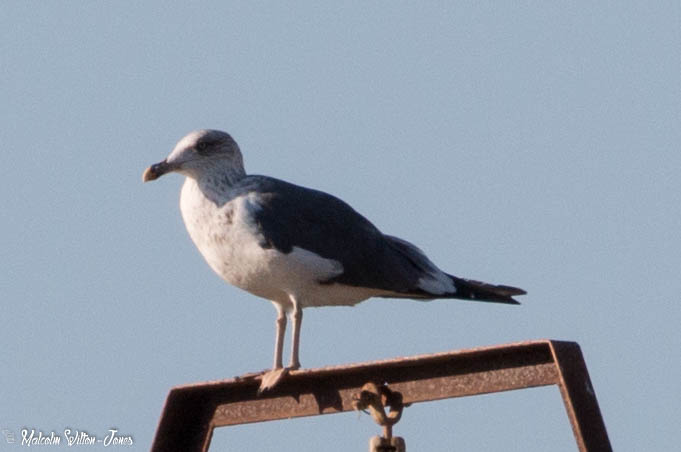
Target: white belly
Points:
(230, 242)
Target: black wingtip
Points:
(510, 290)
(491, 299)
(480, 291)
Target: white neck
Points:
(215, 182)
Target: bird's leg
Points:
(297, 320)
(271, 378)
(279, 341)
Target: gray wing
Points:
(293, 216)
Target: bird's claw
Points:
(272, 378)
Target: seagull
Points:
(296, 246)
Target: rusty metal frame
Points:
(191, 412)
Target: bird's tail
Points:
(468, 289)
(465, 289)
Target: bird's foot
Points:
(271, 378)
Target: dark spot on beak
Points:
(155, 171)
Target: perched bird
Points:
(295, 246)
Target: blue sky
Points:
(530, 144)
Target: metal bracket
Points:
(375, 398)
(191, 412)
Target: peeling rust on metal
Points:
(191, 412)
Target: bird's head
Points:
(199, 152)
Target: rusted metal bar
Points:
(191, 412)
(579, 397)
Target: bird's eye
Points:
(202, 146)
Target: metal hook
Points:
(375, 398)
